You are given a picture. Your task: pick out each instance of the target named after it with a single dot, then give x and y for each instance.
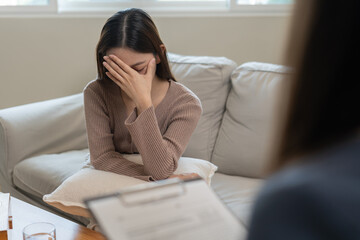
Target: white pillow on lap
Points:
(204, 169)
(89, 182)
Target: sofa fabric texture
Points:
(44, 143)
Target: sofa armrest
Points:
(51, 126)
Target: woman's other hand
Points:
(136, 86)
(185, 176)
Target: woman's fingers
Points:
(117, 82)
(126, 68)
(112, 77)
(116, 67)
(115, 74)
(151, 69)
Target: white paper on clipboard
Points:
(169, 209)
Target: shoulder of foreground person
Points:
(316, 200)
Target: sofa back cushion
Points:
(241, 148)
(209, 79)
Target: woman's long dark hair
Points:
(134, 29)
(324, 96)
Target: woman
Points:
(135, 105)
(316, 195)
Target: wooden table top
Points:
(24, 214)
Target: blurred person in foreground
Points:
(315, 192)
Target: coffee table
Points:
(24, 214)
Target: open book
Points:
(168, 209)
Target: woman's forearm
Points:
(161, 152)
(116, 163)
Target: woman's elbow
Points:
(160, 173)
(98, 165)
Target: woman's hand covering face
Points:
(137, 86)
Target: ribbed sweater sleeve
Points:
(100, 139)
(160, 152)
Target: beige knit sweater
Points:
(159, 134)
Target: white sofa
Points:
(43, 143)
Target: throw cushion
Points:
(89, 182)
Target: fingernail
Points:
(105, 57)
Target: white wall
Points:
(47, 57)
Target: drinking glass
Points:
(39, 231)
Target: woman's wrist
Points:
(143, 105)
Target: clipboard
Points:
(167, 209)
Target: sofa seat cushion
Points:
(43, 174)
(238, 193)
